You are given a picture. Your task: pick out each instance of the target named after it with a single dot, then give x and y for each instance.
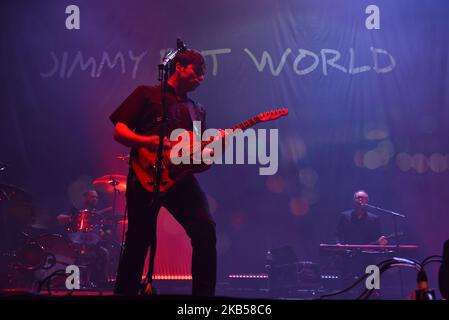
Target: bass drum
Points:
(46, 254)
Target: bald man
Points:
(358, 226)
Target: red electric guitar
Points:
(144, 163)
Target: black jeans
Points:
(188, 205)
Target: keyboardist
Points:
(358, 226)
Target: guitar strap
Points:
(193, 114)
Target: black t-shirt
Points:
(358, 231)
(142, 112)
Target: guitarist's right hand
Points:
(152, 142)
(129, 138)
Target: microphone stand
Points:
(114, 183)
(396, 235)
(164, 70)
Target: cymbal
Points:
(17, 204)
(110, 182)
(123, 157)
(10, 192)
(114, 219)
(39, 226)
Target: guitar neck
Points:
(266, 116)
(242, 126)
(246, 124)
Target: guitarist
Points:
(137, 123)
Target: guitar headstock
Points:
(272, 115)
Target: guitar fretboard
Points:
(246, 124)
(242, 126)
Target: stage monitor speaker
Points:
(283, 255)
(286, 273)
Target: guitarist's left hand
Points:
(222, 134)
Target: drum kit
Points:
(90, 240)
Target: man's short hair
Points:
(85, 193)
(187, 57)
(360, 191)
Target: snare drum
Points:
(84, 228)
(82, 221)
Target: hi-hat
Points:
(123, 157)
(10, 192)
(110, 182)
(17, 203)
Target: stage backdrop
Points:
(365, 82)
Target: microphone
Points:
(360, 203)
(180, 47)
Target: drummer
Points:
(96, 253)
(90, 203)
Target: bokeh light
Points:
(437, 162)
(308, 177)
(299, 206)
(404, 161)
(373, 159)
(386, 148)
(238, 219)
(293, 149)
(375, 132)
(420, 163)
(276, 183)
